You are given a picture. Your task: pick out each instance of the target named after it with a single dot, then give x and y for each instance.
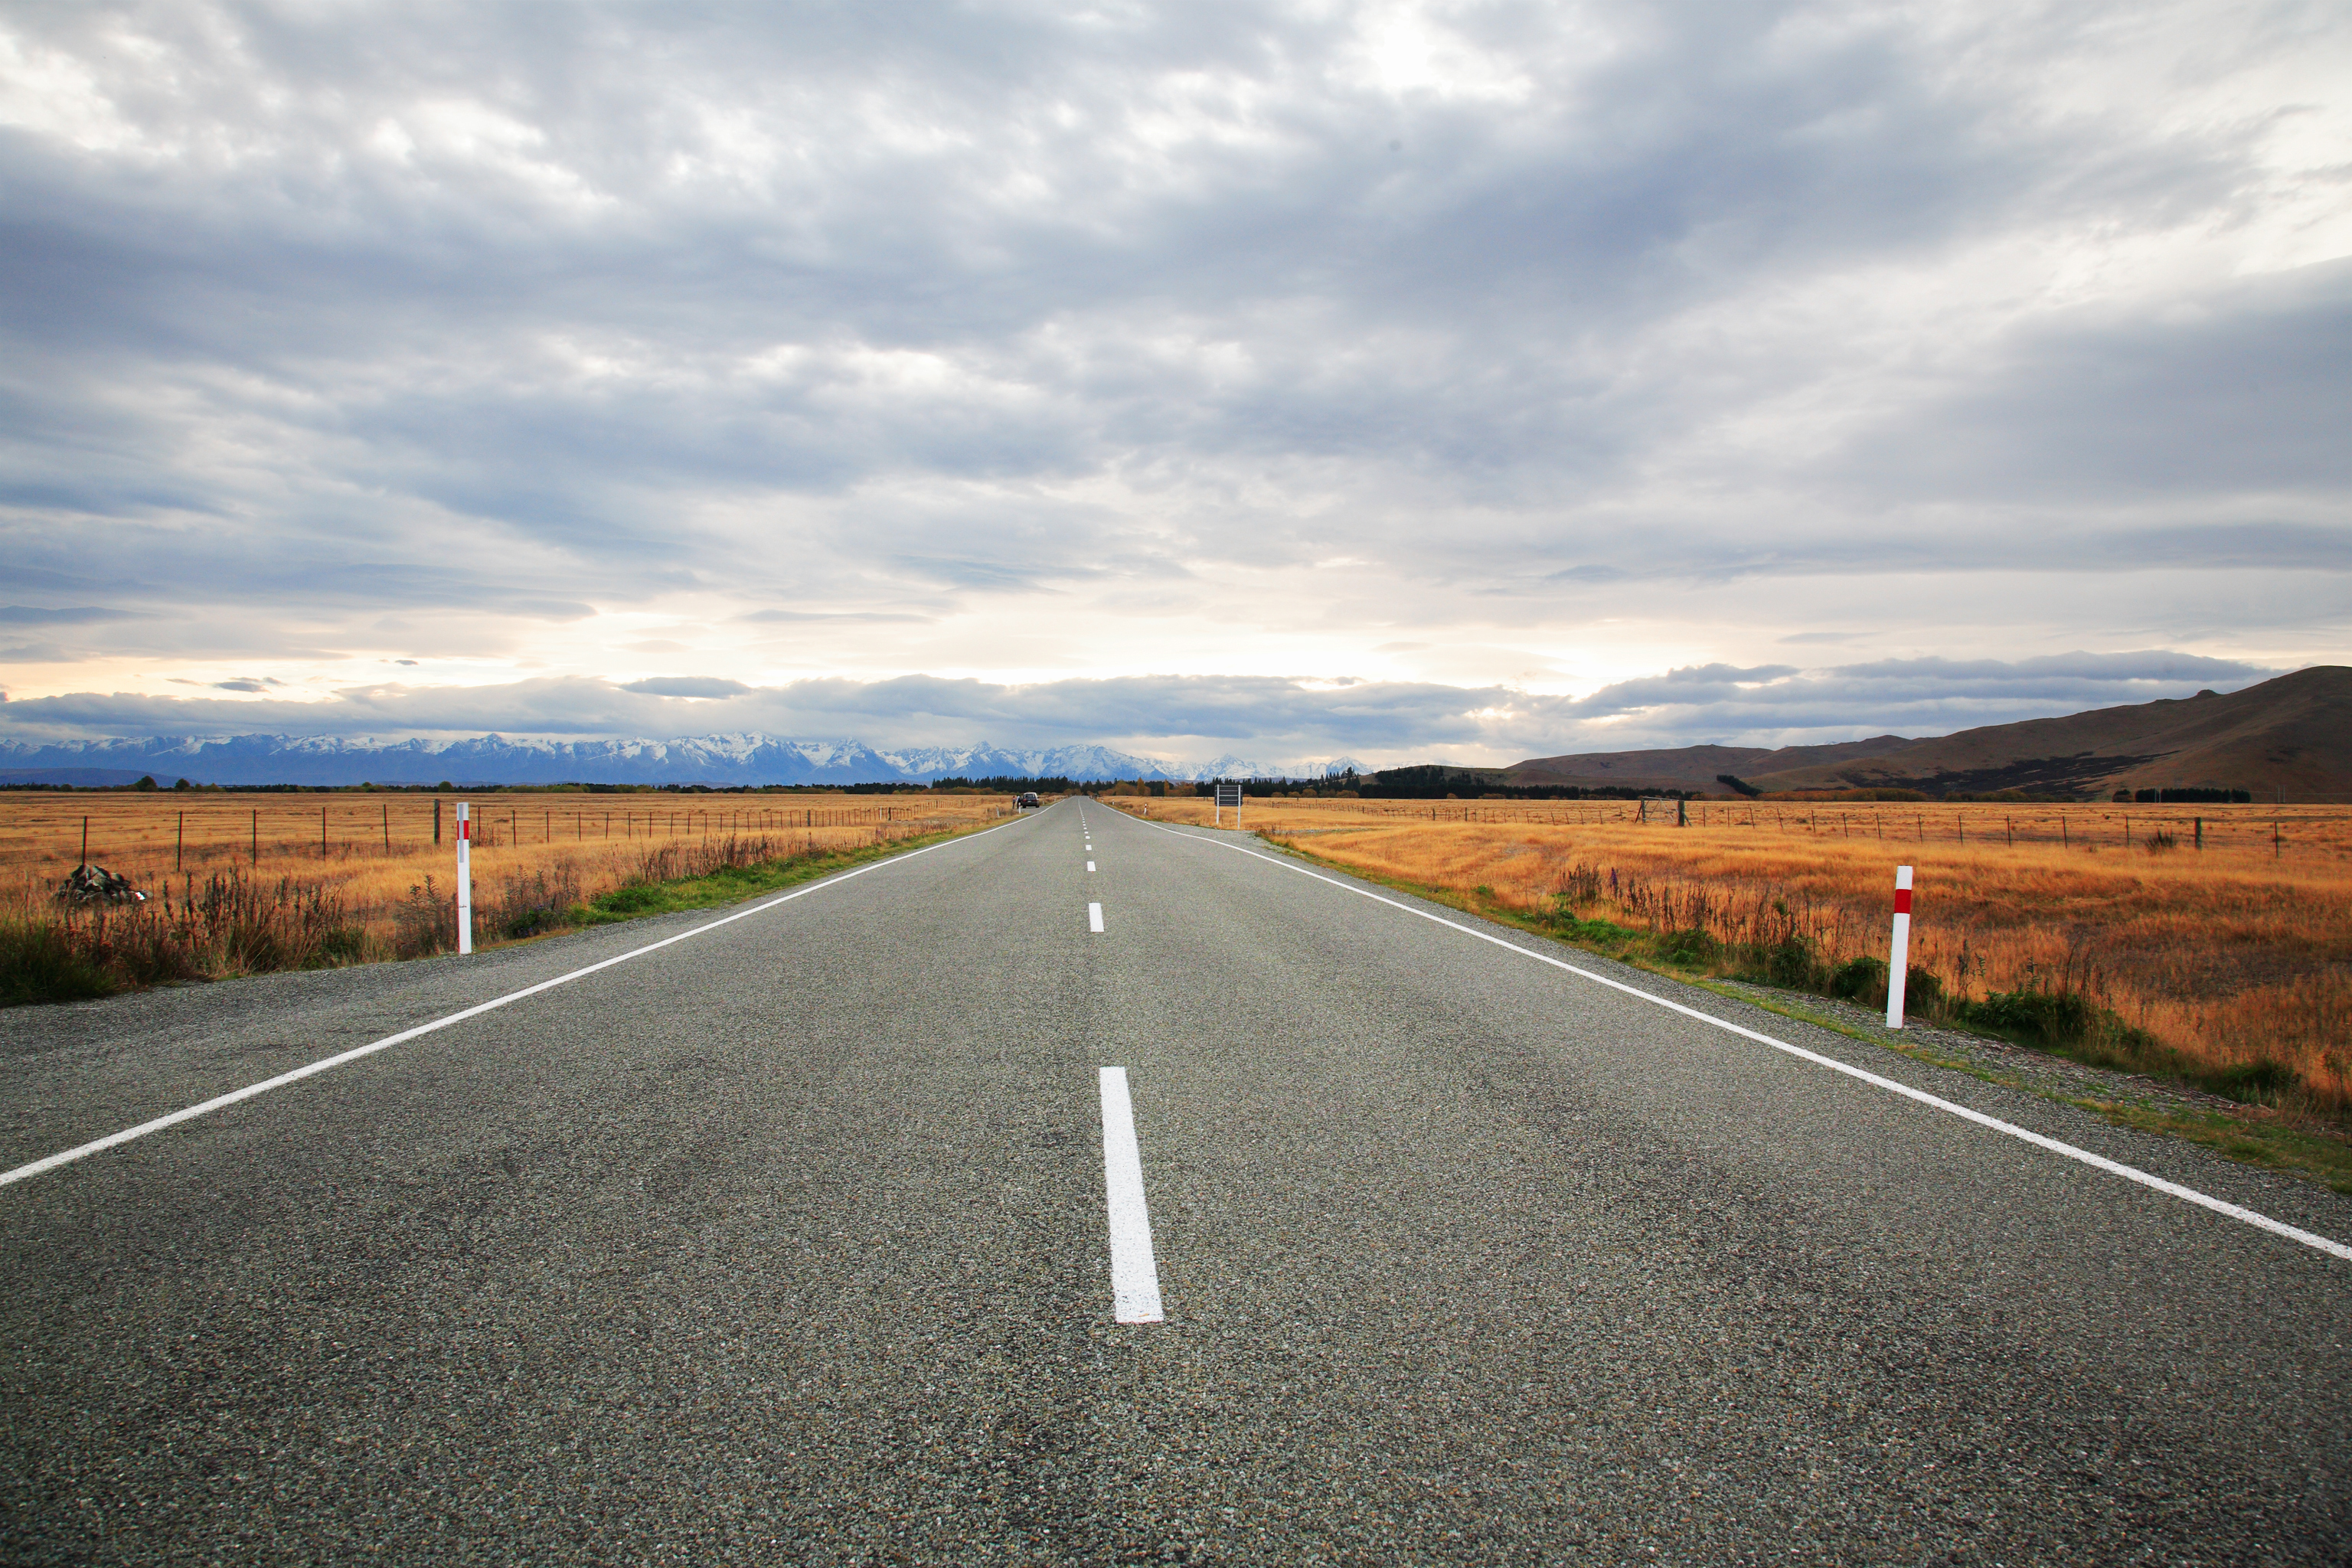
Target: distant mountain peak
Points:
(741, 758)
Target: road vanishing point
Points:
(1089, 1191)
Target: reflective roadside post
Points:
(465, 878)
(1898, 960)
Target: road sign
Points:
(1228, 795)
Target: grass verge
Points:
(731, 884)
(2255, 1136)
(235, 926)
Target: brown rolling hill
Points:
(2289, 737)
(1689, 767)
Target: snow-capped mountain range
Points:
(740, 759)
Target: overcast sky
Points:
(1470, 381)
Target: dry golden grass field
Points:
(2237, 955)
(279, 879)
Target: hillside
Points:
(2289, 736)
(1687, 767)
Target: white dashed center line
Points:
(1090, 865)
(1094, 917)
(1134, 1277)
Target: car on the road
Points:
(1028, 800)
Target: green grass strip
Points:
(734, 884)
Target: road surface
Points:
(793, 1241)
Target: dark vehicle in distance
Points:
(1028, 800)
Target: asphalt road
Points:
(787, 1242)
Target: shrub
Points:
(2252, 1081)
(1578, 887)
(342, 945)
(1576, 929)
(425, 923)
(2057, 1018)
(1861, 980)
(140, 947)
(1692, 949)
(636, 899)
(40, 961)
(541, 901)
(1923, 992)
(1791, 963)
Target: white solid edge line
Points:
(2099, 1162)
(99, 1145)
(1094, 917)
(1134, 1276)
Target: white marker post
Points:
(1899, 961)
(465, 878)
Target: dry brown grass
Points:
(366, 866)
(2234, 956)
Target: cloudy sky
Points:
(1409, 381)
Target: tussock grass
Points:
(542, 866)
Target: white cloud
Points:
(1530, 349)
(1190, 717)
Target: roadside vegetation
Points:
(305, 910)
(2227, 970)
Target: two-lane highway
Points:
(801, 1239)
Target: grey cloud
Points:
(795, 617)
(1696, 684)
(1209, 711)
(64, 616)
(2151, 665)
(519, 310)
(2248, 394)
(1910, 696)
(1200, 716)
(696, 686)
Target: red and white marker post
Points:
(1899, 961)
(466, 878)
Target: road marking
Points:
(98, 1146)
(1090, 865)
(2098, 1161)
(1094, 917)
(1134, 1277)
